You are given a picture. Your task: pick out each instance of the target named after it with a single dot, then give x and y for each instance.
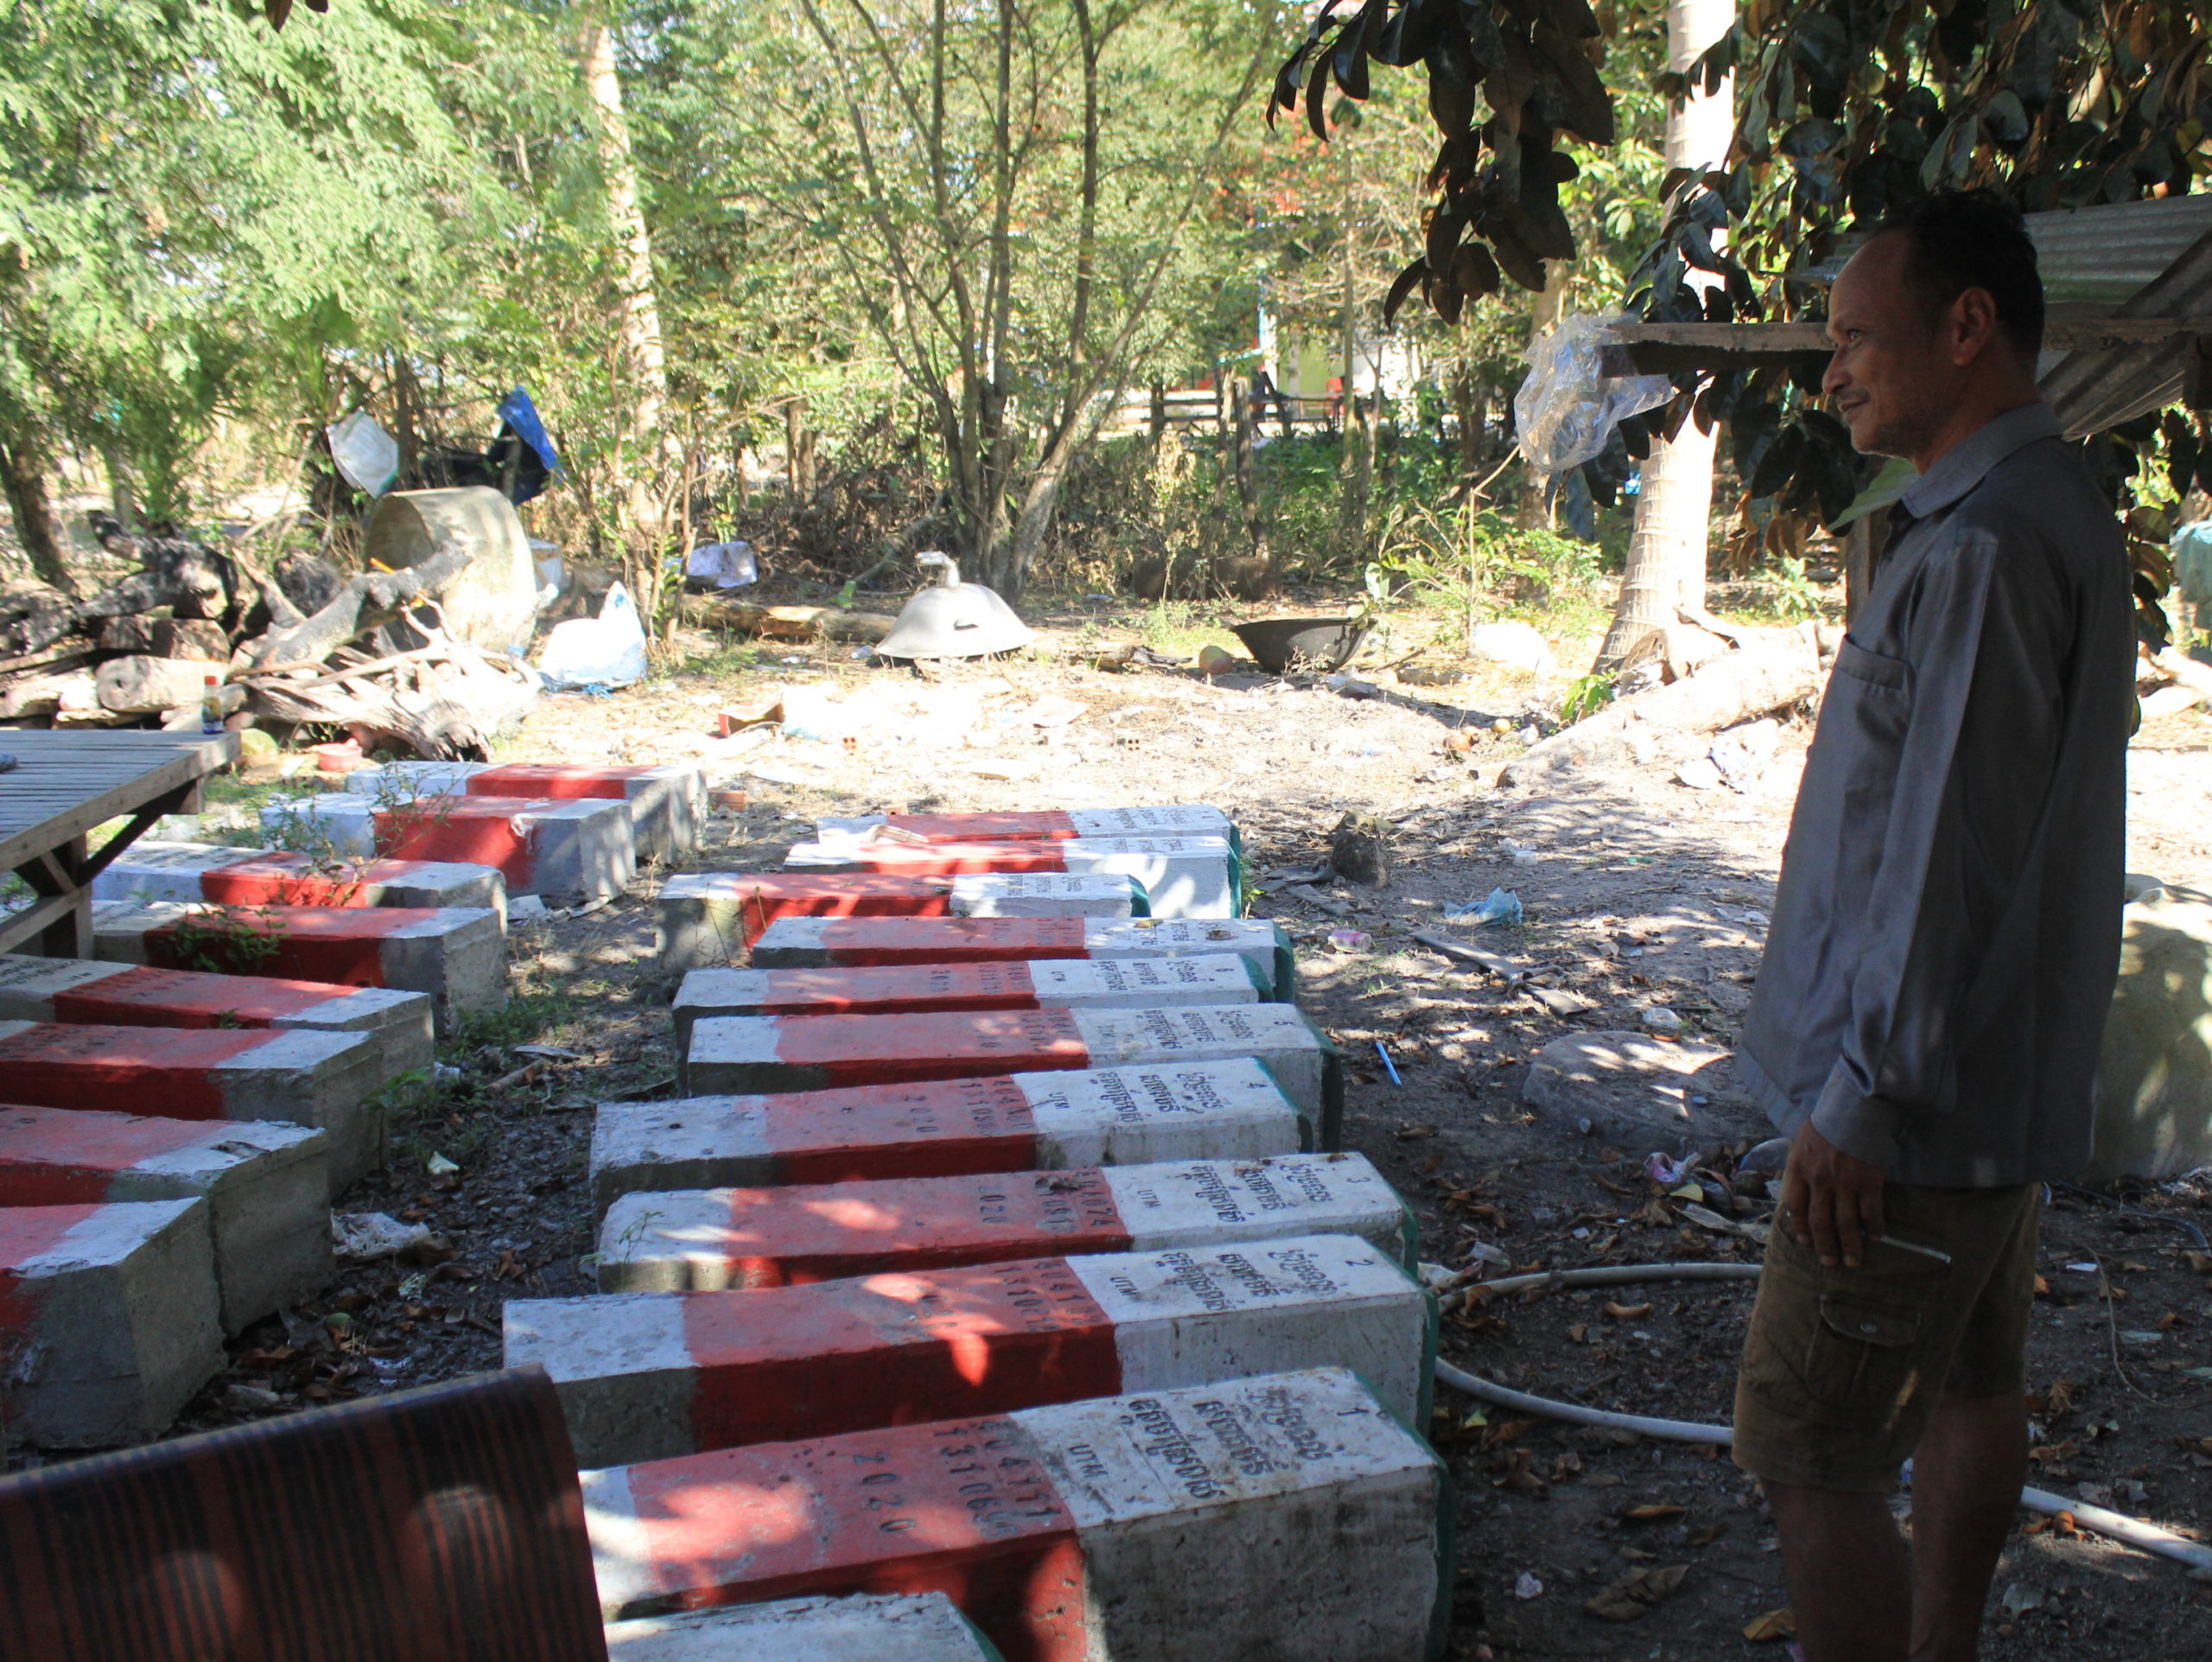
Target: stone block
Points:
(1292, 1511)
(889, 1627)
(649, 1376)
(146, 687)
(266, 1187)
(455, 955)
(109, 1322)
(320, 1080)
(1229, 1109)
(705, 1240)
(708, 919)
(862, 942)
(752, 1054)
(83, 990)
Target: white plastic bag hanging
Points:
(364, 452)
(1574, 398)
(607, 651)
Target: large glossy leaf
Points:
(1349, 60)
(1779, 462)
(1474, 272)
(1405, 281)
(1317, 88)
(1452, 80)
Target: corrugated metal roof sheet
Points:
(2102, 254)
(2092, 390)
(2151, 258)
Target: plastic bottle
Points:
(211, 707)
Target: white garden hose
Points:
(2130, 1531)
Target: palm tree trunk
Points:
(642, 353)
(1673, 509)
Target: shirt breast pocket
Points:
(1852, 774)
(1892, 674)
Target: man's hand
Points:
(1833, 1199)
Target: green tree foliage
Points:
(200, 214)
(1004, 204)
(1497, 209)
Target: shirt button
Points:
(1867, 1326)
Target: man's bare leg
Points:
(1850, 1581)
(1965, 1489)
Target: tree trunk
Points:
(22, 474)
(122, 495)
(642, 354)
(1247, 487)
(1468, 410)
(1674, 508)
(1534, 509)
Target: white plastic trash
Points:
(366, 454)
(726, 565)
(607, 651)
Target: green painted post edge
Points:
(990, 1653)
(1139, 899)
(1409, 1237)
(1431, 1339)
(1447, 1513)
(1285, 968)
(1309, 1128)
(1236, 881)
(1332, 1091)
(1258, 979)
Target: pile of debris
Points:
(302, 644)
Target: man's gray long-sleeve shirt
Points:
(1947, 933)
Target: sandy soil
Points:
(1636, 891)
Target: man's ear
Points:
(1973, 326)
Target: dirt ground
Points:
(1636, 891)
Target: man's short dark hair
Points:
(1963, 240)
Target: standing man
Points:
(1942, 953)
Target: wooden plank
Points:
(2061, 335)
(17, 927)
(97, 777)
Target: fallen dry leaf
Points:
(1415, 1133)
(1507, 1430)
(1621, 1312)
(2051, 1453)
(1632, 1596)
(1652, 1510)
(1775, 1624)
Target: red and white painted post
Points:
(708, 919)
(1184, 876)
(863, 943)
(322, 1081)
(1292, 1510)
(650, 1376)
(229, 876)
(580, 850)
(752, 1054)
(1045, 984)
(704, 1240)
(266, 1186)
(455, 955)
(79, 990)
(107, 1318)
(1229, 1109)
